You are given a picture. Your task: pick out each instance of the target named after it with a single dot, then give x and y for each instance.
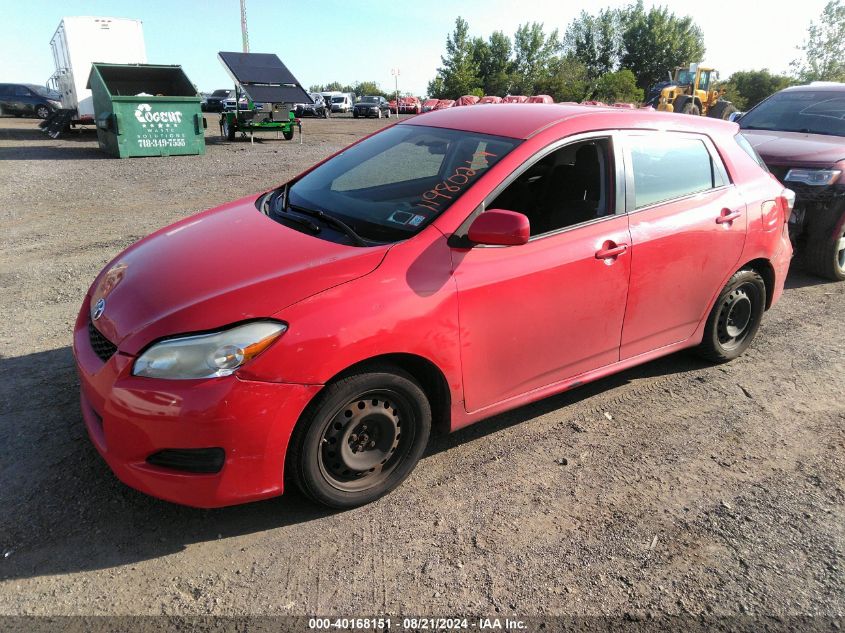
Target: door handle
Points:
(728, 216)
(610, 250)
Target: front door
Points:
(538, 313)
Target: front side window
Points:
(807, 111)
(391, 185)
(668, 166)
(566, 187)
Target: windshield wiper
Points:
(333, 221)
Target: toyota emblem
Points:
(98, 310)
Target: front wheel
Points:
(361, 438)
(735, 317)
(42, 112)
(228, 130)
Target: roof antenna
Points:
(244, 32)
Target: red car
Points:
(515, 99)
(430, 104)
(489, 99)
(320, 330)
(467, 100)
(444, 103)
(410, 105)
(540, 99)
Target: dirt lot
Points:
(674, 488)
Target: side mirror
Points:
(734, 117)
(498, 227)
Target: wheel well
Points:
(431, 379)
(763, 267)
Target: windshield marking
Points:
(455, 183)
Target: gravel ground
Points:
(675, 488)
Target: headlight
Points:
(54, 103)
(815, 177)
(208, 355)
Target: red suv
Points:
(800, 134)
(450, 267)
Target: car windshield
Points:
(220, 93)
(391, 185)
(685, 77)
(809, 111)
(337, 99)
(369, 99)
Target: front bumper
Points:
(130, 418)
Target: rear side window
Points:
(667, 166)
(748, 149)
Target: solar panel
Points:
(263, 77)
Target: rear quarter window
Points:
(749, 149)
(666, 167)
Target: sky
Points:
(326, 40)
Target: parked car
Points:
(444, 103)
(467, 100)
(594, 103)
(371, 106)
(410, 105)
(394, 109)
(28, 100)
(489, 99)
(370, 306)
(343, 103)
(430, 104)
(215, 102)
(515, 99)
(800, 134)
(540, 99)
(316, 108)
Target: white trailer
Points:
(81, 41)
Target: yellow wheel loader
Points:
(692, 92)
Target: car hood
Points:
(796, 148)
(217, 268)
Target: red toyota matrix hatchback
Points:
(456, 265)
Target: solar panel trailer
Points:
(270, 90)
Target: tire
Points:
(228, 130)
(287, 134)
(735, 318)
(42, 111)
(379, 419)
(824, 252)
(691, 108)
(388, 115)
(721, 110)
(379, 113)
(354, 115)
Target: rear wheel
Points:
(824, 253)
(735, 317)
(288, 134)
(721, 110)
(691, 108)
(361, 438)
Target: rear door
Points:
(688, 227)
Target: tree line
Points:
(617, 55)
(614, 55)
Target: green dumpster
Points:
(146, 110)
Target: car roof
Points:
(818, 86)
(524, 120)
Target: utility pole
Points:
(244, 32)
(395, 73)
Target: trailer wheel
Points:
(228, 129)
(288, 134)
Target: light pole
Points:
(395, 73)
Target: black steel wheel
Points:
(288, 134)
(361, 438)
(735, 317)
(42, 111)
